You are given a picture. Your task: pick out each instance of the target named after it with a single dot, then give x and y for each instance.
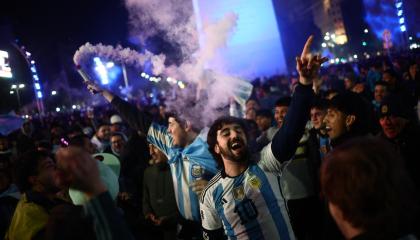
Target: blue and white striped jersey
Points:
(187, 165)
(249, 206)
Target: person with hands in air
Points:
(77, 169)
(244, 200)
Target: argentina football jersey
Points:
(248, 206)
(187, 165)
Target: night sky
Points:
(48, 28)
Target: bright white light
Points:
(403, 28)
(32, 62)
(109, 65)
(57, 109)
(35, 77)
(378, 53)
(327, 33)
(21, 85)
(326, 38)
(366, 30)
(11, 92)
(147, 76)
(324, 45)
(410, 38)
(101, 69)
(367, 56)
(355, 56)
(400, 12)
(73, 106)
(143, 74)
(39, 94)
(402, 20)
(332, 36)
(28, 53)
(14, 86)
(53, 92)
(168, 79)
(398, 4)
(332, 61)
(33, 69)
(337, 60)
(414, 46)
(181, 85)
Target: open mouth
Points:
(327, 128)
(236, 144)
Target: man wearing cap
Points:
(402, 132)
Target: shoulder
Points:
(212, 184)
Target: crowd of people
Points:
(330, 153)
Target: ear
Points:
(187, 126)
(216, 149)
(350, 119)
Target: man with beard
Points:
(37, 179)
(245, 198)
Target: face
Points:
(380, 93)
(335, 122)
(115, 128)
(388, 78)
(232, 143)
(178, 133)
(89, 146)
(104, 132)
(47, 177)
(156, 154)
(4, 144)
(348, 83)
(117, 143)
(392, 125)
(279, 114)
(317, 117)
(251, 114)
(263, 123)
(252, 104)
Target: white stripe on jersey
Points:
(185, 179)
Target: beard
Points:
(242, 153)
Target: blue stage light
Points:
(39, 94)
(403, 28)
(37, 86)
(402, 20)
(400, 13)
(398, 4)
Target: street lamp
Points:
(15, 88)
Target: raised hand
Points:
(79, 170)
(308, 66)
(93, 87)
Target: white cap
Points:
(115, 119)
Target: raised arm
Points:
(136, 119)
(285, 141)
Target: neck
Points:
(234, 169)
(191, 137)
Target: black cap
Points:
(392, 105)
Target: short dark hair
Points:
(283, 102)
(381, 83)
(26, 166)
(365, 179)
(212, 134)
(265, 113)
(319, 103)
(351, 103)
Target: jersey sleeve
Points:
(209, 218)
(268, 162)
(158, 135)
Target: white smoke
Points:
(174, 19)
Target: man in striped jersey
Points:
(191, 163)
(244, 200)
